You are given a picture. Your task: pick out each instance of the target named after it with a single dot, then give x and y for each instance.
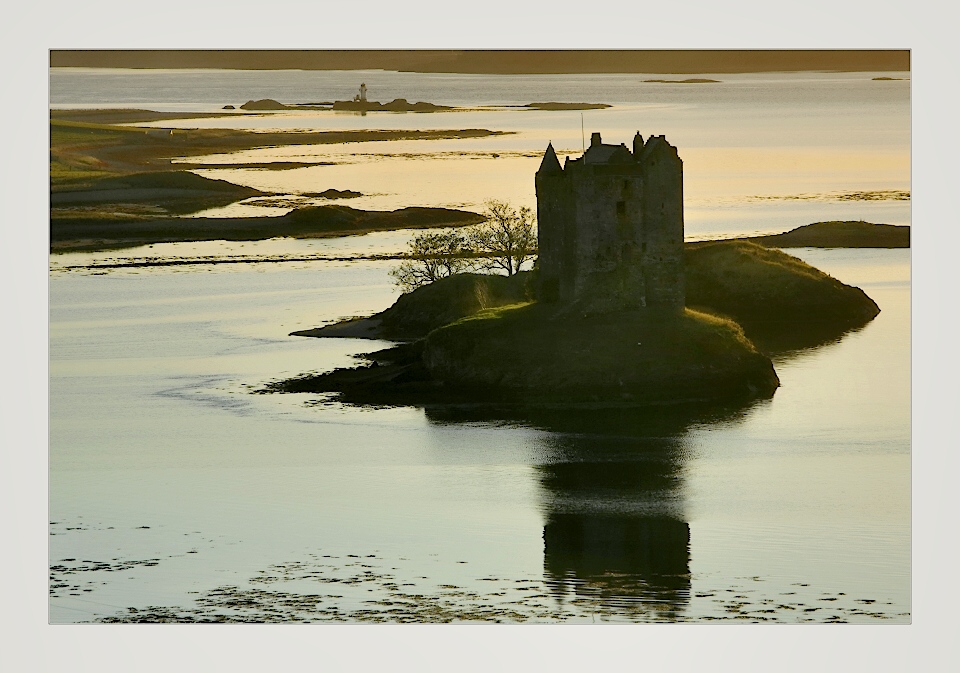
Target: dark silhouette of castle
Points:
(611, 226)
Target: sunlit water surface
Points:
(176, 492)
(762, 152)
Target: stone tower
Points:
(611, 226)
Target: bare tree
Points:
(431, 256)
(507, 239)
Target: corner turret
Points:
(550, 163)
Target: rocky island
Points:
(396, 105)
(619, 311)
(359, 103)
(839, 234)
(266, 104)
(475, 327)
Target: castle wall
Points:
(608, 226)
(662, 203)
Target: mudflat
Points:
(130, 116)
(80, 150)
(314, 222)
(114, 186)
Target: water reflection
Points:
(615, 538)
(783, 341)
(618, 564)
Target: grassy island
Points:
(757, 284)
(266, 104)
(475, 338)
(416, 314)
(531, 351)
(781, 302)
(534, 354)
(839, 234)
(767, 292)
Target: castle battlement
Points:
(611, 225)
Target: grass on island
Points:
(839, 234)
(445, 301)
(635, 356)
(532, 354)
(762, 288)
(488, 340)
(757, 285)
(74, 173)
(539, 330)
(72, 148)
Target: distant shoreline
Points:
(91, 234)
(694, 80)
(817, 235)
(497, 61)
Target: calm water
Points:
(169, 473)
(175, 490)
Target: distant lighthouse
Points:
(363, 93)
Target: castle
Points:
(611, 226)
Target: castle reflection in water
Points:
(615, 538)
